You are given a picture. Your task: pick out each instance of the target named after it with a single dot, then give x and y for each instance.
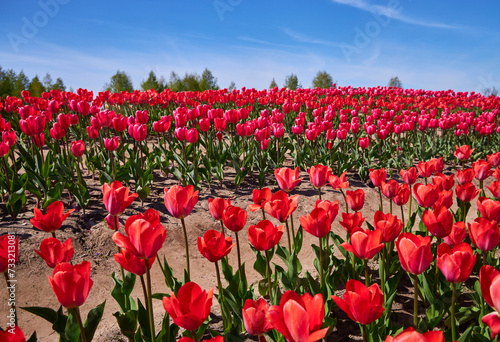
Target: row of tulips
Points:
(304, 311)
(48, 141)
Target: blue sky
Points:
(427, 44)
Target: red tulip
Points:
(117, 197)
(409, 176)
(351, 221)
(443, 182)
(438, 222)
(260, 197)
(71, 284)
(214, 246)
(355, 199)
(214, 339)
(112, 144)
(319, 175)
(425, 169)
(180, 201)
(53, 252)
(465, 176)
(264, 235)
(256, 317)
(132, 263)
(445, 199)
(389, 225)
(287, 178)
(457, 235)
(463, 152)
(53, 219)
(489, 209)
(489, 278)
(484, 234)
(409, 335)
(390, 188)
(216, 207)
(234, 218)
(4, 149)
(494, 188)
(494, 159)
(192, 135)
(145, 234)
(482, 169)
(338, 182)
(318, 223)
(456, 263)
(402, 196)
(364, 243)
(414, 252)
(299, 318)
(8, 246)
(12, 335)
(378, 176)
(331, 208)
(78, 148)
(92, 132)
(362, 304)
(280, 206)
(466, 192)
(191, 307)
(425, 195)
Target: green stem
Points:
(453, 323)
(380, 195)
(7, 174)
(80, 324)
(345, 200)
(269, 277)
(382, 268)
(222, 227)
(289, 238)
(367, 273)
(263, 214)
(145, 292)
(221, 295)
(365, 337)
(403, 218)
(321, 275)
(238, 250)
(415, 302)
(53, 234)
(319, 192)
(187, 249)
(293, 231)
(150, 301)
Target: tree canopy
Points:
(395, 82)
(292, 82)
(322, 80)
(152, 82)
(273, 84)
(119, 82)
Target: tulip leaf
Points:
(93, 318)
(72, 330)
(33, 337)
(122, 290)
(127, 322)
(168, 331)
(46, 313)
(297, 241)
(227, 270)
(172, 283)
(143, 321)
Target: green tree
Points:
(47, 82)
(59, 84)
(395, 82)
(175, 83)
(152, 82)
(22, 83)
(191, 82)
(490, 91)
(232, 86)
(322, 80)
(208, 81)
(120, 81)
(273, 84)
(7, 82)
(36, 87)
(292, 82)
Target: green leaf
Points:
(72, 330)
(46, 313)
(127, 322)
(93, 318)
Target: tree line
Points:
(12, 83)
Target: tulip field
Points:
(341, 214)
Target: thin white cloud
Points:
(301, 38)
(394, 12)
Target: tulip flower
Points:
(402, 196)
(259, 198)
(112, 144)
(355, 199)
(494, 159)
(299, 318)
(425, 169)
(438, 221)
(214, 245)
(287, 178)
(53, 219)
(338, 182)
(489, 209)
(331, 208)
(443, 182)
(378, 177)
(216, 207)
(425, 195)
(465, 176)
(130, 262)
(264, 235)
(456, 264)
(389, 225)
(494, 188)
(410, 176)
(482, 170)
(350, 221)
(361, 303)
(489, 279)
(457, 235)
(71, 283)
(364, 243)
(410, 334)
(117, 198)
(12, 335)
(319, 174)
(389, 189)
(463, 152)
(53, 252)
(78, 148)
(234, 219)
(466, 192)
(484, 234)
(191, 307)
(280, 206)
(256, 317)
